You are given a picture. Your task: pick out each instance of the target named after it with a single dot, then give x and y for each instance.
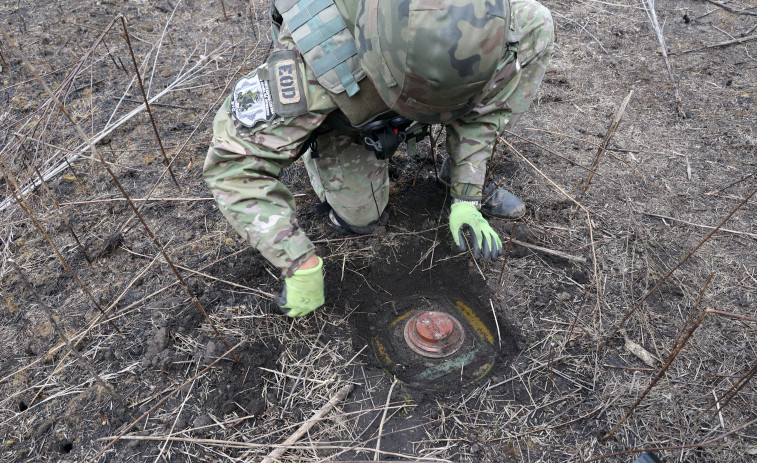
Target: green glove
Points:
(465, 216)
(303, 291)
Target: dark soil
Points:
(572, 273)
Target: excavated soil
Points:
(584, 261)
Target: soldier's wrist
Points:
(466, 192)
(310, 262)
(476, 204)
(297, 253)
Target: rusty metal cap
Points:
(434, 334)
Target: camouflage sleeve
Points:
(508, 95)
(242, 169)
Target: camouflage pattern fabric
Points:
(349, 178)
(508, 96)
(243, 164)
(431, 59)
(242, 170)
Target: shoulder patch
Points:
(251, 102)
(286, 84)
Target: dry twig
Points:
(727, 230)
(553, 252)
(733, 9)
(716, 45)
(317, 416)
(667, 275)
(603, 147)
(147, 102)
(383, 420)
(652, 15)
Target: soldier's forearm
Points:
(262, 211)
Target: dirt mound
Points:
(576, 267)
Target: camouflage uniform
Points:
(243, 164)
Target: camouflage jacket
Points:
(245, 161)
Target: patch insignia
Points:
(286, 84)
(251, 102)
(285, 73)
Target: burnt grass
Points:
(573, 271)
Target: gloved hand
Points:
(485, 240)
(303, 291)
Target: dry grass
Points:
(662, 181)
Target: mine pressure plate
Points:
(433, 342)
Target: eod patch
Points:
(251, 101)
(286, 84)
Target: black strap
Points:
(384, 136)
(311, 142)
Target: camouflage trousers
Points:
(244, 163)
(349, 177)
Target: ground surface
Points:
(553, 394)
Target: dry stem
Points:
(603, 147)
(317, 416)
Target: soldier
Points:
(347, 81)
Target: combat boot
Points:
(340, 225)
(501, 203)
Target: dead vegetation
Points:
(629, 290)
